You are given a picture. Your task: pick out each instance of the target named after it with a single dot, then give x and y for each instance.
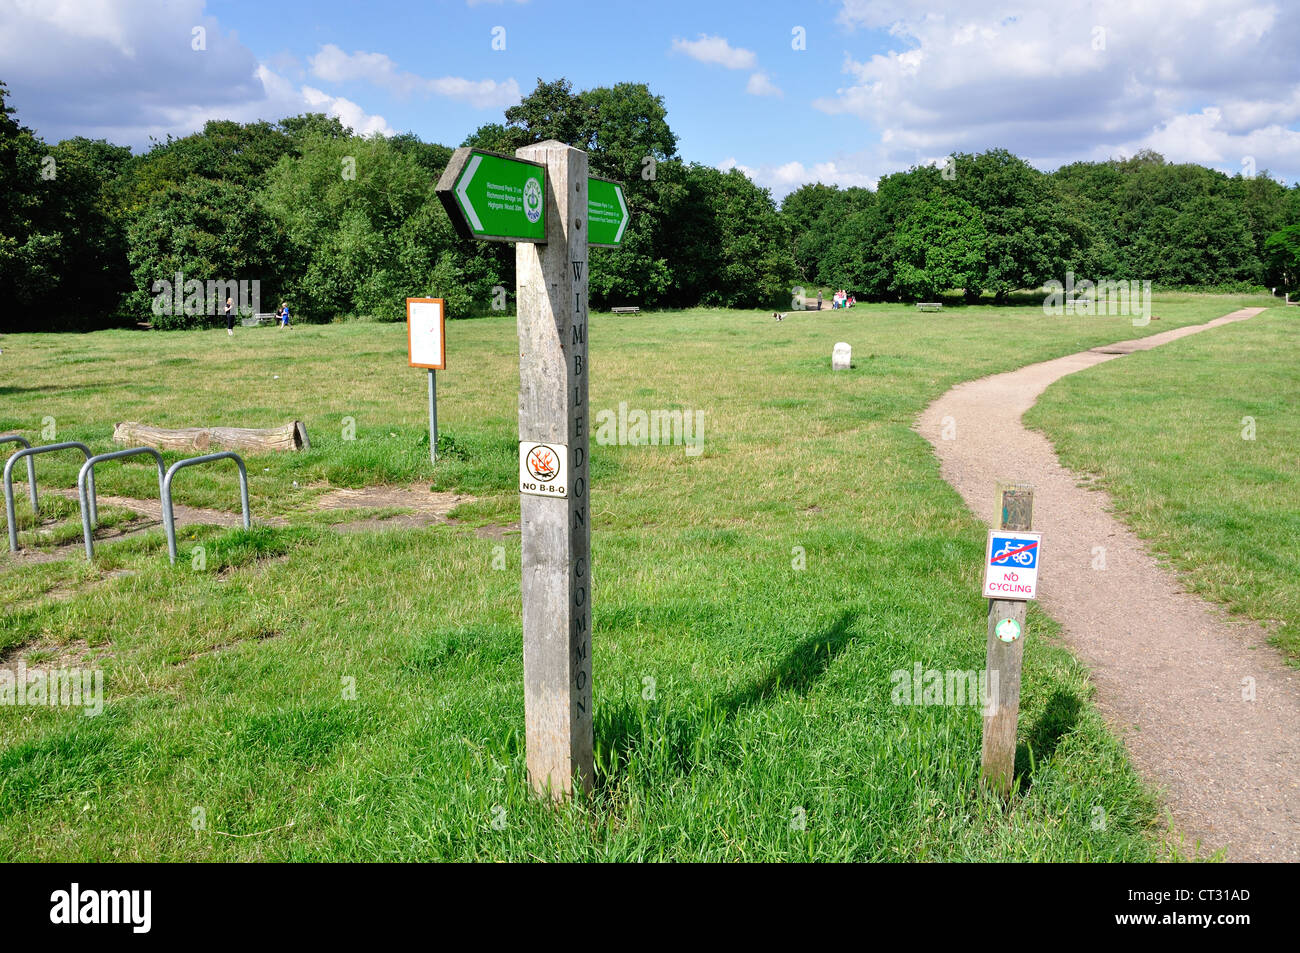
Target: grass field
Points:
(742, 706)
(1198, 442)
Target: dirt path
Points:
(1169, 668)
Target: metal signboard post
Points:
(426, 343)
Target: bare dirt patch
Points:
(425, 507)
(51, 655)
(495, 531)
(421, 500)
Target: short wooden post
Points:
(1002, 664)
(556, 531)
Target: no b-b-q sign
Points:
(544, 469)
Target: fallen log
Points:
(292, 436)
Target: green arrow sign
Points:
(607, 213)
(494, 197)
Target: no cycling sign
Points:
(1011, 565)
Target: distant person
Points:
(819, 301)
(284, 314)
(230, 317)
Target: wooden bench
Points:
(255, 320)
(631, 309)
(930, 305)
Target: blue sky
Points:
(881, 84)
(591, 44)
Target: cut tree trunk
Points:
(292, 436)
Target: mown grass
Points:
(742, 705)
(1198, 442)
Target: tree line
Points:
(340, 225)
(991, 224)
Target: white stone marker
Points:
(841, 357)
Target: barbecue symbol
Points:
(542, 463)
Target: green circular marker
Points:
(1008, 630)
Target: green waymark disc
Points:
(1008, 630)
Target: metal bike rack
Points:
(169, 520)
(30, 452)
(31, 465)
(89, 505)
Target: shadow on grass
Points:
(1057, 720)
(676, 742)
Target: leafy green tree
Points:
(1261, 203)
(91, 258)
(860, 254)
(1282, 251)
(429, 156)
(817, 215)
(942, 245)
(361, 220)
(1030, 231)
(27, 252)
(1208, 243)
(307, 126)
(493, 137)
(62, 258)
(625, 132)
(737, 246)
(203, 230)
(223, 151)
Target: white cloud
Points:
(726, 165)
(1078, 80)
(760, 85)
(128, 70)
(716, 49)
(785, 178)
(348, 112)
(333, 65)
(480, 93)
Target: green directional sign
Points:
(494, 197)
(607, 213)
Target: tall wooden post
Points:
(1002, 665)
(556, 531)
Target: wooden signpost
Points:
(1006, 644)
(554, 425)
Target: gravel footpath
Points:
(1170, 669)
